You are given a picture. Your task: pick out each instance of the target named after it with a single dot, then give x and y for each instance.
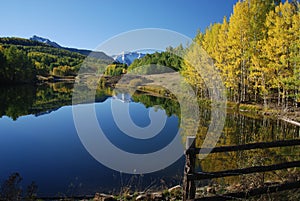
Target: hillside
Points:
(41, 59)
(97, 54)
(157, 63)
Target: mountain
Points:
(44, 40)
(96, 54)
(128, 57)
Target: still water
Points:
(38, 139)
(45, 148)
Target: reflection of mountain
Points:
(40, 100)
(125, 98)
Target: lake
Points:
(38, 139)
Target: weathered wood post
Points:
(189, 188)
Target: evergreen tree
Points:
(2, 62)
(18, 67)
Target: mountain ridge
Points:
(85, 52)
(44, 40)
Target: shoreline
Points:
(290, 121)
(292, 115)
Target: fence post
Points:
(189, 188)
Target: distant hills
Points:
(124, 58)
(99, 55)
(47, 60)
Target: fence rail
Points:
(190, 175)
(244, 147)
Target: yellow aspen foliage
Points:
(239, 44)
(210, 39)
(278, 48)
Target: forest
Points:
(21, 60)
(256, 51)
(163, 59)
(15, 66)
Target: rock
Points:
(210, 190)
(141, 197)
(175, 189)
(157, 196)
(201, 189)
(103, 197)
(128, 197)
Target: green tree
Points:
(18, 68)
(163, 59)
(115, 69)
(64, 71)
(2, 62)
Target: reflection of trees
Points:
(20, 100)
(51, 97)
(169, 105)
(16, 100)
(62, 87)
(240, 129)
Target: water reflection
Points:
(38, 140)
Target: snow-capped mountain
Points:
(45, 40)
(128, 57)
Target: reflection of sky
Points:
(140, 116)
(47, 150)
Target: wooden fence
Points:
(190, 176)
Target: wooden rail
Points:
(250, 170)
(189, 188)
(244, 147)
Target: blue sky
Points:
(87, 23)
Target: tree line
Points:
(256, 51)
(15, 66)
(21, 60)
(160, 60)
